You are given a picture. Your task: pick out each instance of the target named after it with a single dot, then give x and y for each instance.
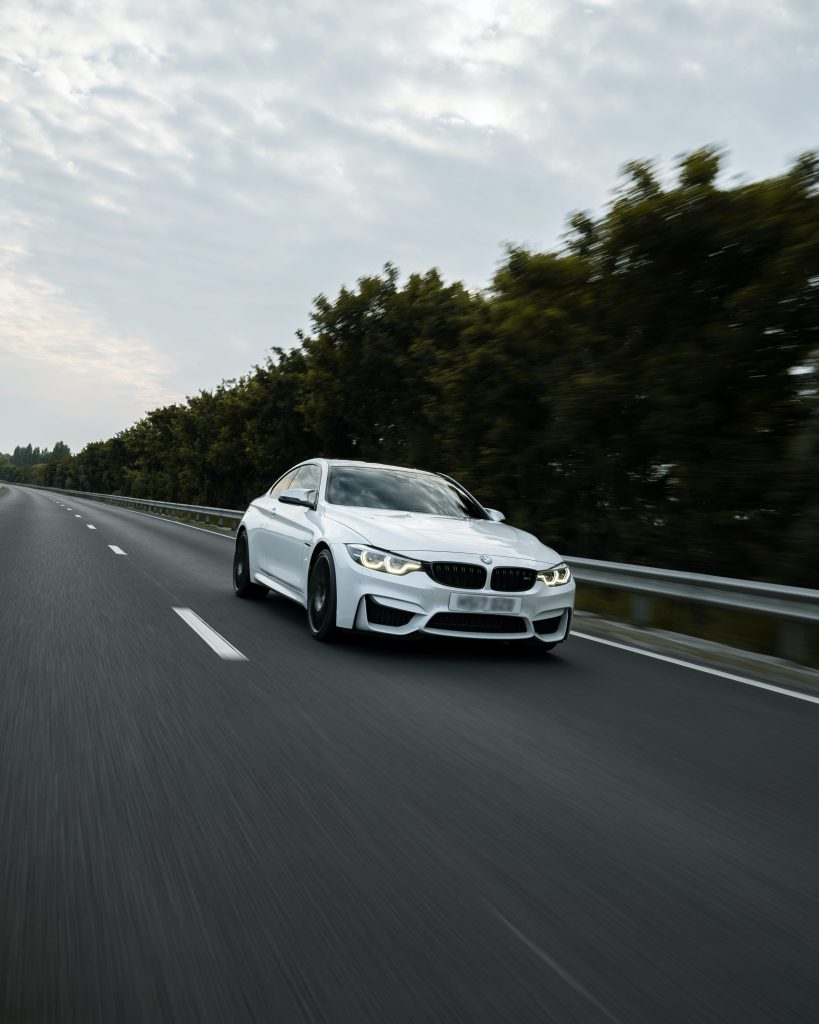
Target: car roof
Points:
(374, 465)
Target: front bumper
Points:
(421, 605)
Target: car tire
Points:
(321, 598)
(242, 585)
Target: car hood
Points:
(426, 536)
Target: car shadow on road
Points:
(452, 649)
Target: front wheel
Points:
(242, 585)
(321, 598)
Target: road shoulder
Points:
(765, 668)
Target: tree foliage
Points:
(647, 393)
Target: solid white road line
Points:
(702, 668)
(210, 636)
(116, 550)
(90, 527)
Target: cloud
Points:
(38, 325)
(186, 177)
(66, 360)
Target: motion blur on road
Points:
(208, 816)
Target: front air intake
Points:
(382, 615)
(545, 626)
(474, 622)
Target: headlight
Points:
(382, 561)
(556, 576)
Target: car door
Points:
(264, 538)
(295, 527)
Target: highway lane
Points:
(415, 832)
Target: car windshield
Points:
(400, 491)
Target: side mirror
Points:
(298, 496)
(495, 516)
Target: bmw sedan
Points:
(390, 550)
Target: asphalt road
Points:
(374, 832)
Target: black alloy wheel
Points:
(321, 598)
(242, 585)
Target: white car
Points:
(396, 551)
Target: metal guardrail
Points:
(796, 609)
(201, 513)
(796, 603)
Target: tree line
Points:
(646, 393)
(29, 456)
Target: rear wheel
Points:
(321, 598)
(242, 585)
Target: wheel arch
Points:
(317, 550)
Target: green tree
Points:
(372, 361)
(648, 393)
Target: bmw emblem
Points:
(486, 559)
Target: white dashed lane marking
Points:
(90, 527)
(213, 639)
(116, 550)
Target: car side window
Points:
(308, 477)
(282, 483)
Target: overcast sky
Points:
(179, 180)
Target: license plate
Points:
(484, 603)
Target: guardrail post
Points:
(793, 640)
(642, 609)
